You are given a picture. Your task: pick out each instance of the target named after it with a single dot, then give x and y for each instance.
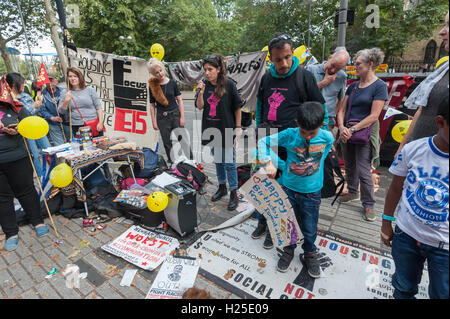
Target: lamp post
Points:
(126, 39)
(309, 3)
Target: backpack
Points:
(150, 164)
(332, 169)
(182, 169)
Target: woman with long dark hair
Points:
(16, 172)
(221, 104)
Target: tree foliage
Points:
(397, 27)
(189, 29)
(11, 28)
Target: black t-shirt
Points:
(281, 98)
(12, 147)
(171, 91)
(220, 113)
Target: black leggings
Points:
(16, 180)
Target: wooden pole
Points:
(40, 187)
(60, 123)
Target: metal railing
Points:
(411, 66)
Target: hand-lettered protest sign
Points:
(269, 199)
(176, 275)
(142, 247)
(121, 84)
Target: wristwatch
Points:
(352, 129)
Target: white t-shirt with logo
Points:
(423, 209)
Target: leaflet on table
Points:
(132, 197)
(56, 149)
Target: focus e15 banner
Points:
(121, 84)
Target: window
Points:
(430, 52)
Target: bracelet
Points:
(389, 218)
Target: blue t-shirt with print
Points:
(303, 168)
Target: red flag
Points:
(42, 77)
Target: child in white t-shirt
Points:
(421, 185)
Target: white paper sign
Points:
(142, 247)
(269, 199)
(174, 278)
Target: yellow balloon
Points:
(266, 48)
(61, 175)
(157, 51)
(299, 51)
(157, 201)
(399, 130)
(441, 60)
(33, 127)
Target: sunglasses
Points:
(211, 59)
(279, 38)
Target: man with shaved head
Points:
(331, 80)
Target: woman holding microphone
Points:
(221, 104)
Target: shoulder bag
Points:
(359, 137)
(92, 123)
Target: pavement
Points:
(23, 272)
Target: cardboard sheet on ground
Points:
(240, 264)
(269, 199)
(174, 278)
(142, 247)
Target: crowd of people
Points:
(312, 111)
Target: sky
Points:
(45, 46)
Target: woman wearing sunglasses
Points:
(221, 123)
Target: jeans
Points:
(225, 160)
(16, 180)
(34, 146)
(56, 134)
(306, 209)
(409, 256)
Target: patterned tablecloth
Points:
(76, 187)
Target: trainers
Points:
(312, 264)
(285, 259)
(41, 230)
(369, 214)
(260, 230)
(11, 243)
(349, 197)
(268, 241)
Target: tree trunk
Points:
(54, 35)
(5, 56)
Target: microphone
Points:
(197, 91)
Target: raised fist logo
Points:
(275, 101)
(213, 102)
